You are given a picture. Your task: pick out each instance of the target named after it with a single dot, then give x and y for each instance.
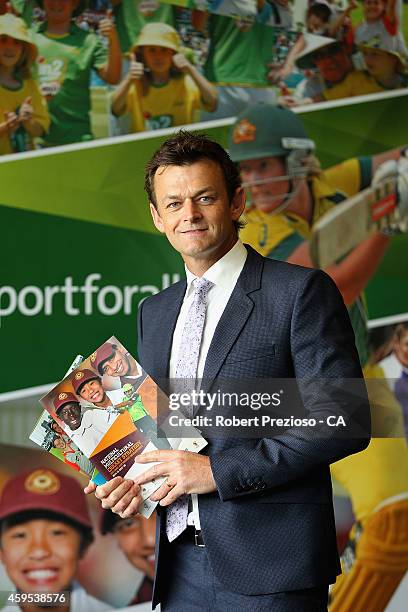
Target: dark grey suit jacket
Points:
(270, 525)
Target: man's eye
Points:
(173, 205)
(206, 199)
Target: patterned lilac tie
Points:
(186, 369)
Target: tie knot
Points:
(202, 287)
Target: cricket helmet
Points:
(264, 130)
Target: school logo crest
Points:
(42, 482)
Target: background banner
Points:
(79, 250)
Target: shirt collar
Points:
(225, 272)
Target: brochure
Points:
(107, 408)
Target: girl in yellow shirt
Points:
(162, 88)
(23, 110)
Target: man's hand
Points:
(186, 473)
(120, 495)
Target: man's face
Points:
(41, 555)
(70, 414)
(194, 211)
(92, 391)
(136, 538)
(333, 63)
(401, 349)
(267, 195)
(117, 365)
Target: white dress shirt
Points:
(224, 274)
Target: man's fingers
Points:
(125, 501)
(117, 495)
(106, 489)
(161, 469)
(158, 455)
(132, 508)
(162, 491)
(90, 487)
(171, 497)
(28, 100)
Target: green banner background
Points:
(71, 214)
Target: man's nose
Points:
(191, 210)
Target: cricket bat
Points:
(344, 227)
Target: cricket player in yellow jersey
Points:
(288, 194)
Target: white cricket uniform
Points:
(94, 425)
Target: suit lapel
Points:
(165, 331)
(235, 315)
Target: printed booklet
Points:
(103, 414)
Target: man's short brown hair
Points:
(186, 148)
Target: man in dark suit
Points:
(260, 532)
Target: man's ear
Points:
(158, 223)
(238, 203)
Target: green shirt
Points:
(132, 15)
(137, 410)
(238, 57)
(63, 70)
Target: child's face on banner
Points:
(10, 50)
(373, 9)
(41, 555)
(401, 349)
(59, 10)
(265, 194)
(136, 538)
(333, 63)
(158, 59)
